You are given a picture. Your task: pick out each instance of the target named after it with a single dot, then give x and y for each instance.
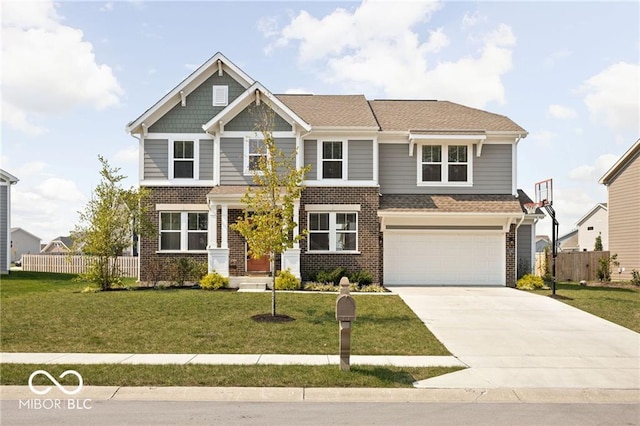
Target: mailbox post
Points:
(345, 313)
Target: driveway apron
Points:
(511, 338)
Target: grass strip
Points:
(225, 375)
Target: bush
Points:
(362, 278)
(315, 286)
(186, 269)
(214, 281)
(635, 277)
(285, 280)
(530, 282)
(330, 277)
(372, 289)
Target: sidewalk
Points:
(226, 359)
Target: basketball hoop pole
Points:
(554, 249)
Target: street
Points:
(310, 413)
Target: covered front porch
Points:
(227, 249)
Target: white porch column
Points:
(218, 258)
(224, 222)
(212, 235)
(291, 258)
(296, 219)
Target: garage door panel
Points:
(436, 258)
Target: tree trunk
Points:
(272, 262)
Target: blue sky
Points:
(75, 73)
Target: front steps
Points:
(250, 284)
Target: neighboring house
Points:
(542, 242)
(412, 191)
(568, 242)
(59, 245)
(623, 189)
(592, 224)
(6, 180)
(23, 242)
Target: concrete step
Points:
(252, 286)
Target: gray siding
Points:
(199, 108)
(360, 162)
(311, 157)
(4, 227)
(491, 172)
(523, 248)
(206, 159)
(249, 120)
(156, 159)
(231, 162)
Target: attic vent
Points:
(220, 95)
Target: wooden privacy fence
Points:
(573, 266)
(64, 264)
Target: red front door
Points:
(258, 265)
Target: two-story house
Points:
(412, 191)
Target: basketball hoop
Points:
(531, 207)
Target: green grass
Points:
(618, 305)
(48, 313)
(216, 375)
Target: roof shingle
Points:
(331, 110)
(454, 203)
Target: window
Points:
(453, 168)
(332, 160)
(183, 231)
(220, 95)
(333, 232)
(589, 228)
(183, 159)
(254, 150)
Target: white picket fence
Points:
(64, 264)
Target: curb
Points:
(332, 395)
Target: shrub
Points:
(186, 269)
(316, 286)
(635, 277)
(361, 278)
(373, 289)
(285, 280)
(214, 281)
(330, 277)
(530, 282)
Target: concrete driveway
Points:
(515, 339)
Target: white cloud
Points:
(107, 7)
(542, 138)
(127, 155)
(472, 19)
(30, 169)
(375, 47)
(35, 39)
(612, 97)
(593, 172)
(561, 112)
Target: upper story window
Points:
(444, 164)
(254, 151)
(332, 160)
(333, 231)
(183, 159)
(220, 95)
(183, 231)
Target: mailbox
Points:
(345, 308)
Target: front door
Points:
(260, 265)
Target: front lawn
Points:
(49, 313)
(620, 305)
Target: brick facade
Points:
(510, 247)
(369, 246)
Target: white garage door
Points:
(437, 258)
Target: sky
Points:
(75, 73)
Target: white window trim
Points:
(196, 159)
(445, 165)
(333, 232)
(246, 154)
(320, 159)
(184, 232)
(223, 91)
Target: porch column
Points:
(296, 219)
(291, 258)
(218, 258)
(212, 235)
(224, 222)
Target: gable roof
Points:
(216, 63)
(455, 203)
(332, 110)
(621, 163)
(249, 95)
(18, 229)
(591, 212)
(417, 115)
(8, 177)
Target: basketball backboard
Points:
(544, 192)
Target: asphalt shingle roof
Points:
(454, 203)
(331, 110)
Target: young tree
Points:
(268, 223)
(108, 223)
(598, 245)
